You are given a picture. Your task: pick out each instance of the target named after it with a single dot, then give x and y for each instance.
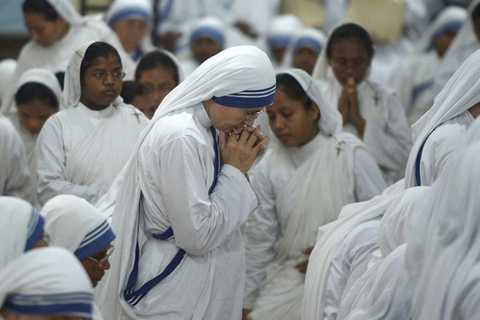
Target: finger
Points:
(243, 137)
(261, 147)
(252, 139)
(307, 250)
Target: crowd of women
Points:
(250, 167)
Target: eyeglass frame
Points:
(252, 116)
(100, 75)
(108, 254)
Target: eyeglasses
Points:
(103, 75)
(104, 259)
(253, 116)
(342, 66)
(45, 237)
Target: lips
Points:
(109, 93)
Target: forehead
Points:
(111, 61)
(349, 47)
(36, 19)
(156, 75)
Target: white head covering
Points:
(21, 228)
(307, 37)
(76, 225)
(38, 75)
(450, 18)
(46, 281)
(330, 237)
(452, 243)
(460, 93)
(282, 29)
(123, 9)
(7, 67)
(67, 11)
(241, 77)
(209, 27)
(330, 121)
(72, 90)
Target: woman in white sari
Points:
(310, 154)
(47, 283)
(81, 150)
(187, 193)
(370, 111)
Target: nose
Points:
(106, 265)
(277, 124)
(249, 122)
(34, 125)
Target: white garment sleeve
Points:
(261, 233)
(51, 171)
(369, 181)
(14, 172)
(200, 221)
(390, 140)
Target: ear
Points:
(314, 112)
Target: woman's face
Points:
(305, 59)
(349, 59)
(102, 82)
(443, 42)
(146, 104)
(130, 32)
(33, 114)
(204, 48)
(96, 270)
(160, 81)
(45, 32)
(291, 122)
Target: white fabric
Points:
(81, 151)
(15, 178)
(460, 93)
(446, 285)
(46, 272)
(7, 67)
(386, 134)
(56, 57)
(330, 240)
(465, 44)
(205, 226)
(383, 292)
(119, 5)
(281, 228)
(16, 215)
(48, 79)
(70, 220)
(414, 77)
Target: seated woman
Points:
(37, 98)
(74, 224)
(160, 72)
(81, 150)
(413, 78)
(130, 20)
(47, 283)
(21, 231)
(304, 49)
(57, 30)
(310, 153)
(369, 110)
(139, 96)
(207, 38)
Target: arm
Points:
(201, 222)
(390, 140)
(18, 182)
(51, 171)
(261, 233)
(368, 178)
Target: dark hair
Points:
(290, 86)
(351, 31)
(61, 78)
(41, 7)
(131, 89)
(36, 91)
(155, 59)
(476, 13)
(94, 51)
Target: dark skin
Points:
(350, 61)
